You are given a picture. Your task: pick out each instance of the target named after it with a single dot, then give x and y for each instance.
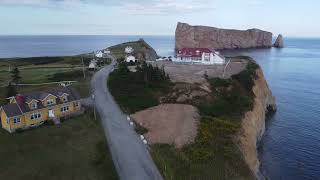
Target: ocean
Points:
(291, 144)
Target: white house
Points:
(199, 55)
(99, 54)
(128, 50)
(93, 64)
(131, 58)
(107, 51)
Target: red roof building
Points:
(193, 52)
(199, 55)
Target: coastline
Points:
(253, 124)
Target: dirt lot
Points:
(189, 73)
(169, 123)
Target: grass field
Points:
(76, 149)
(46, 70)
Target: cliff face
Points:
(149, 53)
(253, 124)
(279, 42)
(214, 38)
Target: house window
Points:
(64, 109)
(76, 104)
(50, 102)
(34, 106)
(64, 99)
(36, 116)
(16, 120)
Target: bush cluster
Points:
(138, 90)
(66, 76)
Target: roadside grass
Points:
(76, 149)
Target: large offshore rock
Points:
(279, 42)
(188, 36)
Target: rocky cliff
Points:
(149, 53)
(215, 38)
(253, 124)
(279, 42)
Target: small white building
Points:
(131, 58)
(199, 55)
(107, 51)
(99, 54)
(128, 50)
(93, 64)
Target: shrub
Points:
(247, 76)
(66, 76)
(218, 82)
(139, 90)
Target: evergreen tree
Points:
(15, 75)
(11, 90)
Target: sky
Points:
(292, 18)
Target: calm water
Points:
(291, 145)
(31, 46)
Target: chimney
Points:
(20, 99)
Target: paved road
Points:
(130, 156)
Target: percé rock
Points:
(188, 36)
(279, 42)
(253, 123)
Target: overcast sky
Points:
(156, 17)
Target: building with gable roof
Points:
(199, 55)
(33, 109)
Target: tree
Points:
(15, 75)
(11, 90)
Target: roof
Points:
(18, 108)
(12, 110)
(193, 52)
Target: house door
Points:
(51, 114)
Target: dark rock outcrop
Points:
(214, 38)
(279, 42)
(148, 52)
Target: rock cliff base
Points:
(253, 123)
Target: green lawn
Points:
(76, 149)
(49, 71)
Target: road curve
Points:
(130, 156)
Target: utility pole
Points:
(94, 106)
(84, 74)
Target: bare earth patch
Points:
(169, 124)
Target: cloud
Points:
(127, 6)
(163, 7)
(44, 3)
